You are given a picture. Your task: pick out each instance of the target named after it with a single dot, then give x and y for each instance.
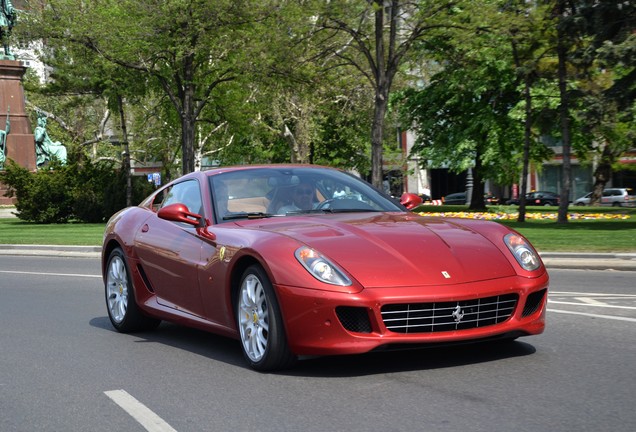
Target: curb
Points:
(51, 250)
(589, 261)
(552, 260)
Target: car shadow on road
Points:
(188, 339)
(227, 350)
(421, 358)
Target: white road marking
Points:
(592, 304)
(148, 419)
(569, 293)
(617, 318)
(50, 274)
(590, 301)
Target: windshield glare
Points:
(281, 191)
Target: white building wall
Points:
(418, 180)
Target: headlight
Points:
(320, 267)
(522, 251)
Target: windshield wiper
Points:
(330, 210)
(248, 215)
(353, 210)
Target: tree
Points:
(562, 13)
(591, 88)
(606, 109)
(462, 119)
(374, 38)
(525, 30)
(187, 50)
(468, 115)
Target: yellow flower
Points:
(514, 216)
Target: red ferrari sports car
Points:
(304, 260)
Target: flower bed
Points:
(515, 215)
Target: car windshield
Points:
(286, 191)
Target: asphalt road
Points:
(63, 368)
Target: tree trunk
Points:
(377, 133)
(527, 136)
(382, 87)
(564, 112)
(188, 117)
(602, 175)
(477, 196)
(126, 156)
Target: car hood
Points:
(397, 249)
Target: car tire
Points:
(260, 323)
(123, 311)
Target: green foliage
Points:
(43, 197)
(464, 113)
(84, 192)
(234, 81)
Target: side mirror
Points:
(410, 200)
(179, 213)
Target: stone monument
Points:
(19, 143)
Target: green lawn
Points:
(578, 235)
(15, 231)
(602, 235)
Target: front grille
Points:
(448, 316)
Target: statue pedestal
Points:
(20, 141)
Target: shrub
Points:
(87, 192)
(42, 197)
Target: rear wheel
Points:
(260, 323)
(122, 308)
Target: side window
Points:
(188, 193)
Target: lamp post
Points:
(469, 186)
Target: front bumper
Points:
(316, 325)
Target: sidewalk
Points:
(7, 212)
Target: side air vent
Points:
(354, 319)
(533, 303)
(142, 273)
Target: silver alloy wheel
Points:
(117, 289)
(253, 318)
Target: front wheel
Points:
(260, 323)
(123, 311)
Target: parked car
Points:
(425, 198)
(615, 197)
(455, 198)
(460, 198)
(295, 260)
(490, 199)
(538, 198)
